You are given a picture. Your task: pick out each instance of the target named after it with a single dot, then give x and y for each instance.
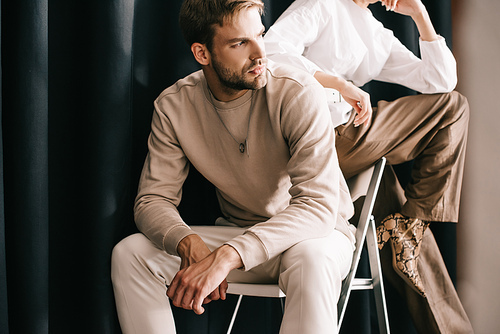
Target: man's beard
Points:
(236, 81)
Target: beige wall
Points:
(476, 44)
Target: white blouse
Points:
(340, 38)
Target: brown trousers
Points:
(432, 131)
(429, 129)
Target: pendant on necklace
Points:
(242, 147)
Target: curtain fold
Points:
(78, 80)
(4, 322)
(25, 158)
(90, 124)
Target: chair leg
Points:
(236, 308)
(378, 284)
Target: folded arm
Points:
(417, 11)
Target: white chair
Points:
(364, 184)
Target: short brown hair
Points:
(198, 17)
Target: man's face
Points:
(238, 57)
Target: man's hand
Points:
(191, 285)
(191, 250)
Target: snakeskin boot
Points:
(406, 236)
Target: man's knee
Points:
(125, 253)
(315, 259)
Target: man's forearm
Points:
(230, 255)
(192, 249)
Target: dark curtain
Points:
(78, 80)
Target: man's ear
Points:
(201, 53)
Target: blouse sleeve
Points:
(288, 37)
(435, 72)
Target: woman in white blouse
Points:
(344, 46)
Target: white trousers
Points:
(310, 273)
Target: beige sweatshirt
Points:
(285, 188)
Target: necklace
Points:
(242, 146)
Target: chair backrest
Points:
(365, 184)
(359, 184)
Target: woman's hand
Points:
(417, 11)
(355, 96)
(405, 7)
(359, 100)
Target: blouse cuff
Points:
(439, 40)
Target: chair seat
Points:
(273, 290)
(255, 290)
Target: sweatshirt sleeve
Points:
(434, 72)
(160, 187)
(320, 201)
